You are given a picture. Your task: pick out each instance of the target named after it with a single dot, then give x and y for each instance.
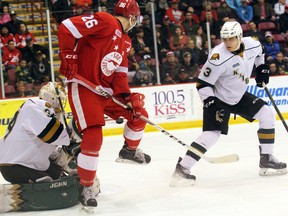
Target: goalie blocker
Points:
(58, 194)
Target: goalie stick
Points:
(275, 106)
(98, 90)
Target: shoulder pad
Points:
(219, 55)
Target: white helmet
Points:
(231, 29)
(48, 93)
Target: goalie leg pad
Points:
(58, 194)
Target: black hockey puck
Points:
(119, 120)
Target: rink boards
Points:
(171, 106)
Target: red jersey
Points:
(11, 57)
(102, 48)
(4, 39)
(21, 39)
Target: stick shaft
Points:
(98, 90)
(275, 106)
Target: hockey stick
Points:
(62, 110)
(275, 106)
(98, 90)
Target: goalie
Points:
(31, 152)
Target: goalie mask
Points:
(128, 9)
(48, 93)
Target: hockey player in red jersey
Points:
(96, 47)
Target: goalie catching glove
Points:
(68, 65)
(262, 75)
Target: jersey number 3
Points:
(89, 21)
(207, 72)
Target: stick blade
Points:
(223, 159)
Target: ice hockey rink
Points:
(233, 189)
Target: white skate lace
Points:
(139, 154)
(88, 193)
(273, 159)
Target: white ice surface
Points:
(233, 189)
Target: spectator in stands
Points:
(279, 8)
(147, 29)
(189, 68)
(169, 69)
(189, 24)
(29, 51)
(4, 3)
(161, 8)
(194, 16)
(193, 50)
(22, 72)
(273, 69)
(271, 47)
(133, 60)
(11, 55)
(146, 75)
(85, 4)
(78, 11)
(21, 90)
(255, 33)
(283, 22)
(4, 15)
(183, 5)
(199, 38)
(233, 3)
(162, 44)
(263, 12)
(5, 36)
(178, 41)
(62, 9)
(225, 13)
(167, 28)
(40, 69)
(197, 5)
(21, 36)
(139, 43)
(14, 24)
(175, 15)
(282, 70)
(280, 60)
(244, 12)
(214, 26)
(207, 6)
(204, 52)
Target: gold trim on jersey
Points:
(52, 131)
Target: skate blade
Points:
(121, 160)
(87, 209)
(181, 182)
(272, 172)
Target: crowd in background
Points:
(181, 38)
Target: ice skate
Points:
(269, 165)
(182, 177)
(88, 199)
(133, 156)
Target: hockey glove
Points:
(68, 65)
(262, 75)
(135, 103)
(73, 149)
(214, 106)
